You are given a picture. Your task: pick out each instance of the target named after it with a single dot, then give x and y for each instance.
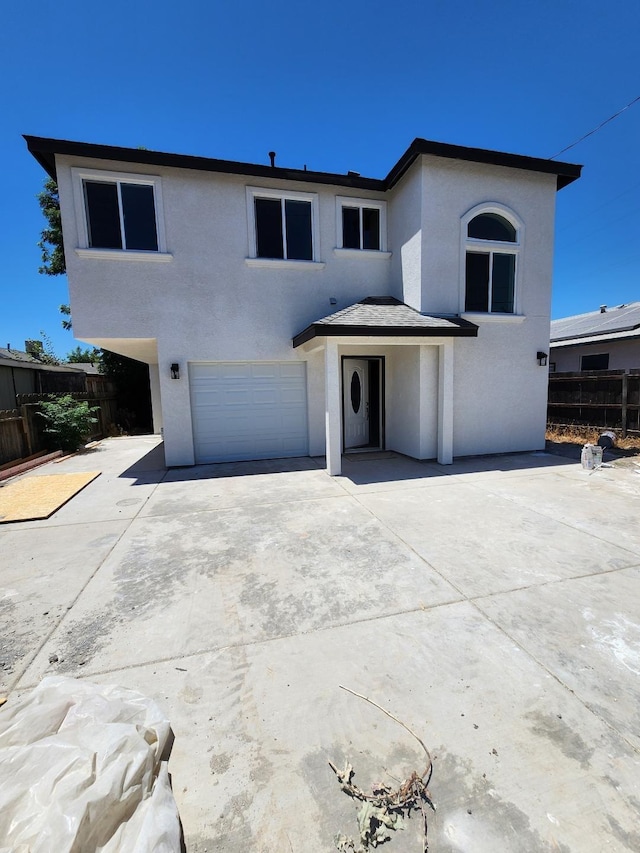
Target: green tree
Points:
(65, 310)
(53, 261)
(68, 421)
(93, 355)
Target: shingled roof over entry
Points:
(378, 316)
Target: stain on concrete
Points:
(557, 730)
(630, 840)
(191, 695)
(14, 645)
(220, 762)
(470, 807)
(202, 844)
(263, 559)
(84, 640)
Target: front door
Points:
(355, 402)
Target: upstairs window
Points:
(491, 257)
(361, 224)
(120, 215)
(282, 225)
(283, 229)
(360, 228)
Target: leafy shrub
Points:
(68, 421)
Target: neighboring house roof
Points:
(18, 358)
(385, 315)
(44, 150)
(619, 323)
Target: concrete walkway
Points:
(492, 605)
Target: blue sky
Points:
(335, 86)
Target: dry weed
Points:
(576, 434)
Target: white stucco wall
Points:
(405, 237)
(451, 189)
(499, 388)
(207, 304)
(623, 355)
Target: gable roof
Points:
(18, 358)
(623, 321)
(44, 150)
(378, 316)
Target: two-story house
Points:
(285, 312)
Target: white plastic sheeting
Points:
(82, 770)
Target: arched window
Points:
(492, 243)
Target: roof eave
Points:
(45, 150)
(320, 330)
(566, 172)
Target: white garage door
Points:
(248, 410)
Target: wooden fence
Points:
(13, 439)
(21, 430)
(598, 398)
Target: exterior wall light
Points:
(542, 359)
(175, 370)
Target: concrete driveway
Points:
(492, 605)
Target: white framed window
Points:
(119, 215)
(491, 243)
(283, 227)
(361, 227)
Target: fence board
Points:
(12, 438)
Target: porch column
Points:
(445, 403)
(156, 403)
(332, 408)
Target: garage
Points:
(248, 410)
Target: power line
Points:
(596, 129)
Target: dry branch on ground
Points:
(385, 809)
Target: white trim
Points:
(284, 264)
(347, 201)
(80, 175)
(372, 254)
(264, 192)
(124, 255)
(489, 317)
(491, 247)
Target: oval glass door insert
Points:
(356, 392)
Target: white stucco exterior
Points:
(203, 301)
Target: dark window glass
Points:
(139, 213)
(370, 228)
(490, 226)
(356, 392)
(502, 283)
(103, 216)
(350, 227)
(269, 228)
(477, 282)
(298, 220)
(597, 361)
